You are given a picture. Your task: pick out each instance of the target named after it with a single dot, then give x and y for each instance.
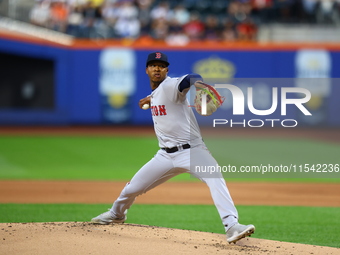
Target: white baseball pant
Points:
(164, 166)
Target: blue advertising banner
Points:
(117, 84)
(104, 85)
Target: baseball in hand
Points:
(145, 106)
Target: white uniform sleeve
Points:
(170, 88)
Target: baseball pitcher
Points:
(181, 147)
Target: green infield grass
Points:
(118, 158)
(308, 225)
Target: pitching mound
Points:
(84, 238)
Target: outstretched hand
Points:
(145, 100)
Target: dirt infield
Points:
(84, 238)
(91, 192)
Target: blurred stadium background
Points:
(81, 62)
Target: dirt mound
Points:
(85, 238)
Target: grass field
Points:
(118, 158)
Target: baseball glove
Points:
(214, 99)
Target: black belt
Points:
(174, 149)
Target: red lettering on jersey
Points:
(158, 55)
(159, 110)
(162, 110)
(154, 111)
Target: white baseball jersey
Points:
(175, 124)
(174, 120)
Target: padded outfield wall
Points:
(45, 83)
